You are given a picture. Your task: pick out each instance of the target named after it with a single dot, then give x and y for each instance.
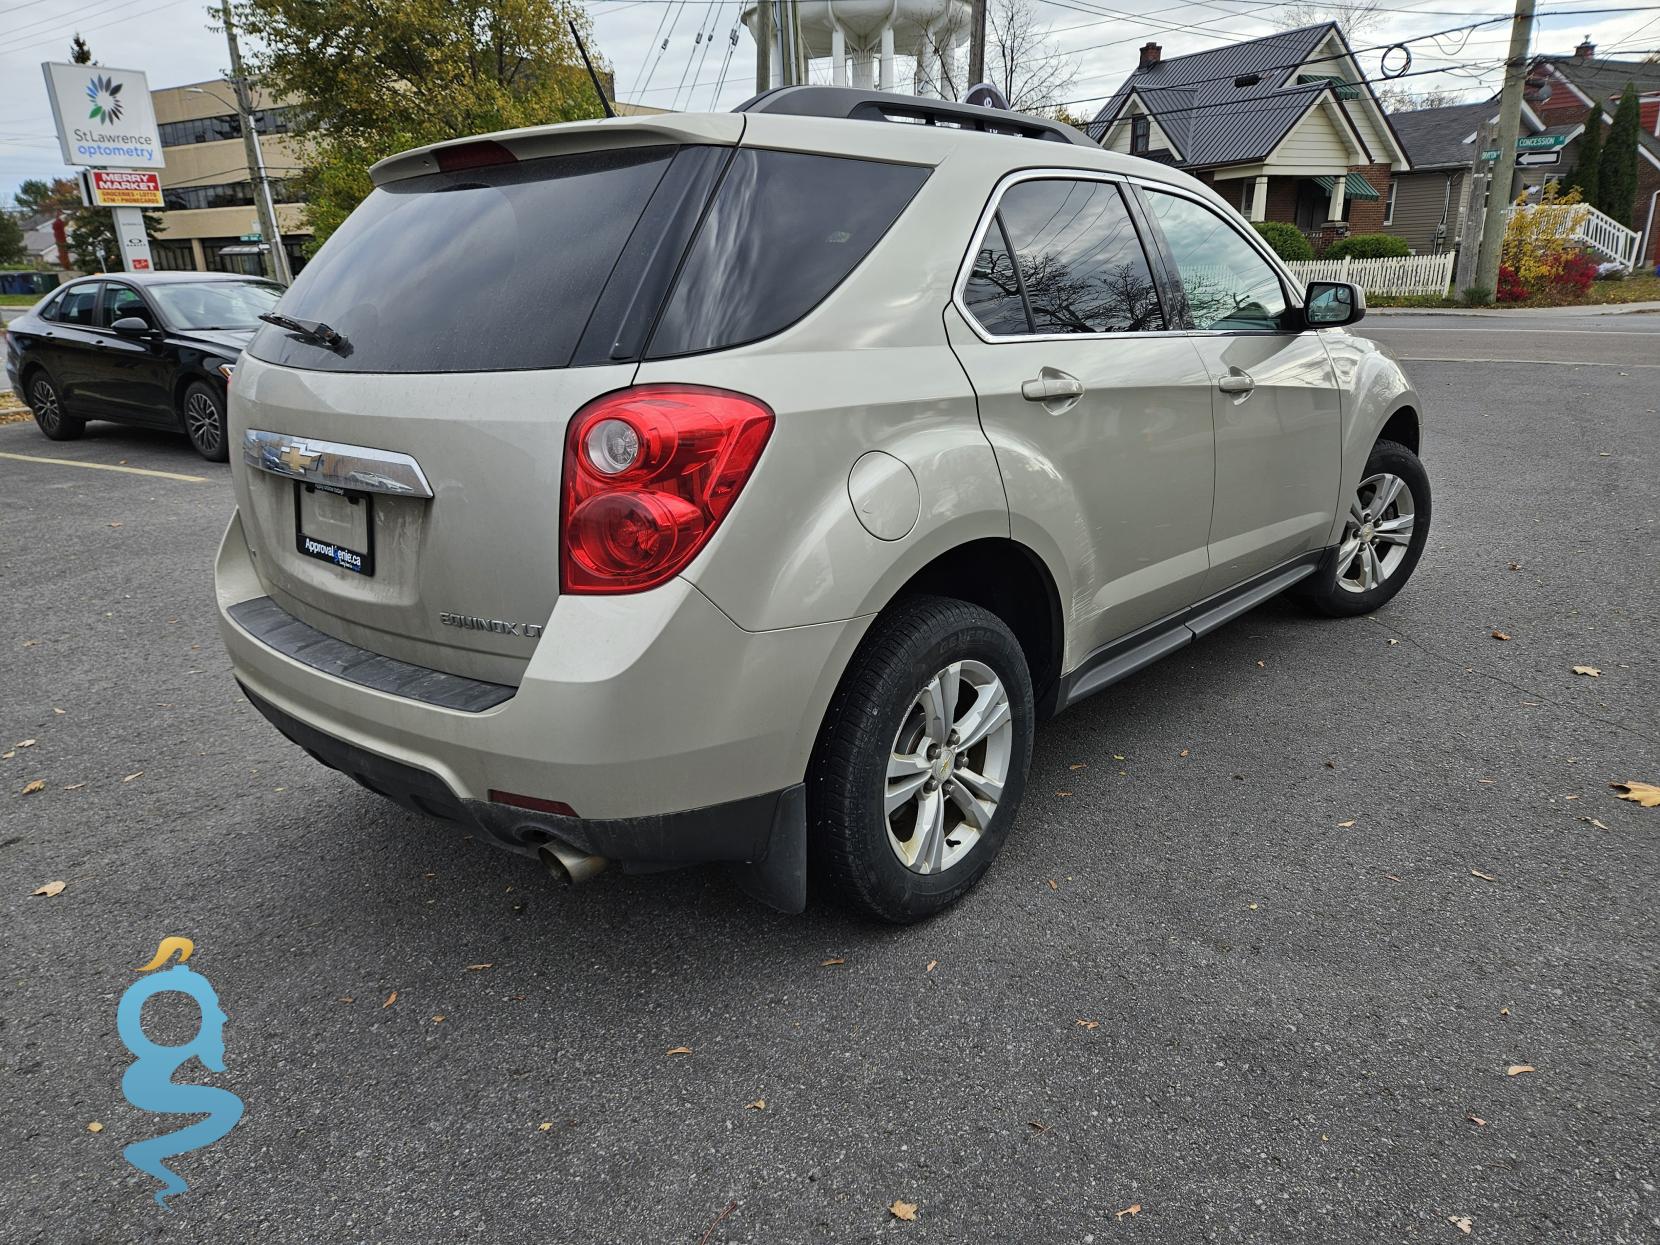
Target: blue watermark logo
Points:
(148, 1082)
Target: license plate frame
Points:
(353, 561)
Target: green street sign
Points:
(1531, 142)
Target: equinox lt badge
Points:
(468, 622)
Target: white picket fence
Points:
(1584, 224)
(1410, 274)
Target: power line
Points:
(19, 47)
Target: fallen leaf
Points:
(545, 1126)
(1477, 1121)
(833, 960)
(1063, 794)
(1500, 635)
(117, 523)
(760, 1104)
(1393, 641)
(1516, 1069)
(1637, 792)
(1090, 1024)
(1504, 1011)
(1487, 782)
(1053, 885)
(38, 784)
(903, 1210)
(75, 786)
(1042, 1128)
(390, 999)
(51, 889)
(680, 1050)
(26, 743)
(1262, 665)
(1592, 671)
(1135, 1209)
(1485, 877)
(1182, 753)
(1462, 1222)
(1116, 757)
(1515, 566)
(1255, 907)
(59, 712)
(1594, 822)
(133, 775)
(1079, 765)
(345, 998)
(931, 966)
(95, 1127)
(6, 756)
(479, 968)
(1391, 877)
(1344, 825)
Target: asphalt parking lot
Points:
(1280, 914)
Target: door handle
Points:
(1054, 388)
(1236, 381)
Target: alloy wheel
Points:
(201, 421)
(948, 767)
(1377, 533)
(44, 400)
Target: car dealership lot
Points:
(1188, 986)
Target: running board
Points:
(1122, 658)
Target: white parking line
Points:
(132, 471)
(1429, 358)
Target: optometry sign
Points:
(104, 116)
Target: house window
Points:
(1389, 203)
(1139, 127)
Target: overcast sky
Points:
(171, 42)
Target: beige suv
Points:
(746, 487)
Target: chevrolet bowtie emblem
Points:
(296, 457)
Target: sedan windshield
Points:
(215, 304)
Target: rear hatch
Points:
(399, 482)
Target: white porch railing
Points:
(1409, 274)
(1594, 230)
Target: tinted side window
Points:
(1080, 259)
(781, 233)
(992, 293)
(121, 301)
(79, 306)
(486, 269)
(1226, 283)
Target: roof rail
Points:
(854, 104)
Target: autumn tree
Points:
(1023, 61)
(374, 79)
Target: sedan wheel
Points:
(49, 413)
(204, 422)
(1378, 533)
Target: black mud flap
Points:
(779, 879)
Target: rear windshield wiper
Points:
(311, 330)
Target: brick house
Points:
(1285, 127)
(1561, 91)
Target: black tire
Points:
(1337, 588)
(848, 824)
(47, 406)
(203, 414)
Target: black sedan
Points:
(149, 348)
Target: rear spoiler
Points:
(535, 142)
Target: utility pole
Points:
(763, 46)
(977, 43)
(1510, 127)
(277, 265)
(1473, 214)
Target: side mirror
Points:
(132, 326)
(1332, 304)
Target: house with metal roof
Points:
(1285, 127)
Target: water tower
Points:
(861, 36)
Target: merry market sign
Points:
(104, 116)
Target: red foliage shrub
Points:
(1576, 273)
(1511, 289)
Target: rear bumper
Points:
(631, 710)
(765, 833)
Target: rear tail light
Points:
(649, 474)
(475, 155)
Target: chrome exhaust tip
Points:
(570, 865)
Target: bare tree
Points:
(1356, 17)
(1399, 99)
(1022, 59)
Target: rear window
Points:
(489, 269)
(781, 233)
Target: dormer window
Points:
(1139, 127)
